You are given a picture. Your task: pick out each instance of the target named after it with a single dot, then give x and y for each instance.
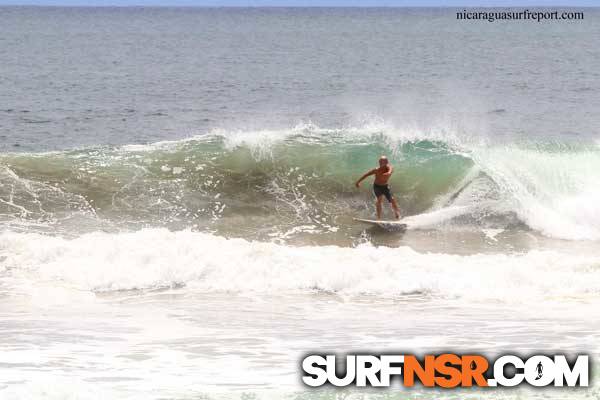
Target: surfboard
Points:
(420, 221)
(392, 226)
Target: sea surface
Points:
(177, 196)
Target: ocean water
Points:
(177, 199)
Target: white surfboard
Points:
(392, 226)
(419, 221)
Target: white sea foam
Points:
(157, 258)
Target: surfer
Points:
(380, 186)
(540, 370)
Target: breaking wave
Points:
(278, 184)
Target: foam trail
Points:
(435, 217)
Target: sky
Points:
(245, 3)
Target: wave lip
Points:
(554, 190)
(158, 258)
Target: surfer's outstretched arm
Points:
(371, 172)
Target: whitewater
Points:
(229, 245)
(154, 259)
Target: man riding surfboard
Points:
(381, 187)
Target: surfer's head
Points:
(383, 161)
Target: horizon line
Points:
(286, 6)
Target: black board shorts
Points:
(382, 190)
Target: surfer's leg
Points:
(388, 195)
(395, 207)
(378, 206)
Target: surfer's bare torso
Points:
(380, 185)
(382, 174)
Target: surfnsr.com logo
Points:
(444, 370)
